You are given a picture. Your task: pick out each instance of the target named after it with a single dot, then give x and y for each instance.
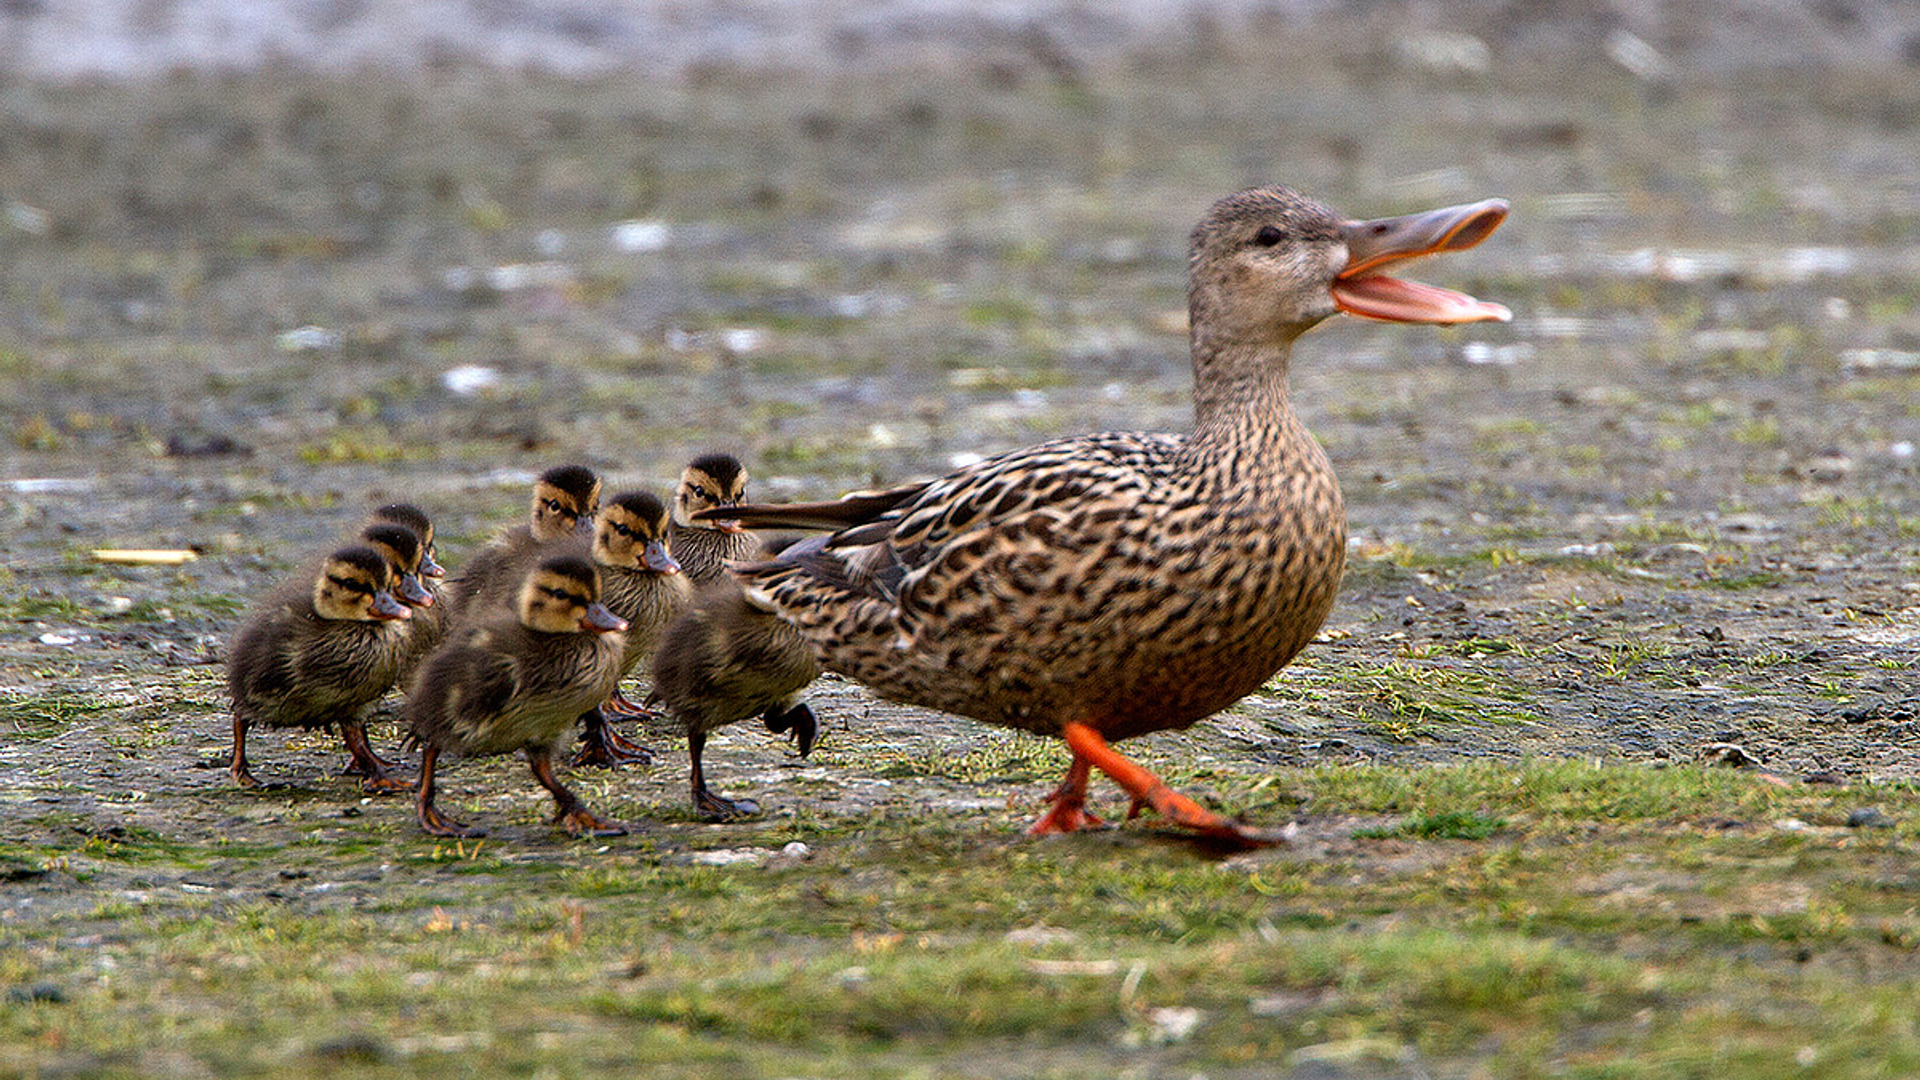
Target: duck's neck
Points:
(1240, 400)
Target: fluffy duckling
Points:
(565, 498)
(641, 582)
(518, 682)
(710, 483)
(317, 654)
(428, 627)
(402, 549)
(723, 661)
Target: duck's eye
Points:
(1269, 235)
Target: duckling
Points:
(404, 553)
(708, 485)
(641, 582)
(429, 623)
(565, 498)
(1105, 586)
(518, 682)
(318, 653)
(724, 660)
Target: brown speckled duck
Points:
(1106, 586)
(518, 682)
(320, 651)
(429, 623)
(723, 661)
(565, 499)
(709, 485)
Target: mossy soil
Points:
(1671, 508)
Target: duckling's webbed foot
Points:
(798, 721)
(569, 811)
(602, 747)
(432, 821)
(709, 806)
(622, 705)
(369, 766)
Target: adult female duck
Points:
(1106, 586)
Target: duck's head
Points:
(409, 516)
(564, 501)
(401, 548)
(562, 596)
(632, 533)
(709, 482)
(355, 585)
(1267, 264)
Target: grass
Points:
(1553, 919)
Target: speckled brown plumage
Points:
(317, 653)
(517, 683)
(564, 501)
(710, 484)
(1110, 585)
(723, 661)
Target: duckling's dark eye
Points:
(1269, 235)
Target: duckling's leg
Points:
(602, 746)
(1068, 809)
(432, 820)
(570, 811)
(1091, 747)
(238, 770)
(709, 806)
(371, 767)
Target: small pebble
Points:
(1869, 817)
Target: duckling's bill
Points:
(1362, 289)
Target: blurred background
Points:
(264, 263)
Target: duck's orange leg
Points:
(1067, 809)
(1090, 748)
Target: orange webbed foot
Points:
(1149, 790)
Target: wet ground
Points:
(1671, 506)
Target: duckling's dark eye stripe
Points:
(352, 585)
(562, 594)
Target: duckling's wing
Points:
(487, 681)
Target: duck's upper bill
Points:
(1361, 289)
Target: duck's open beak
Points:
(598, 620)
(1361, 289)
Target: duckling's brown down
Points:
(317, 653)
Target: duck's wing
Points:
(927, 536)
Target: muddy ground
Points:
(1672, 505)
